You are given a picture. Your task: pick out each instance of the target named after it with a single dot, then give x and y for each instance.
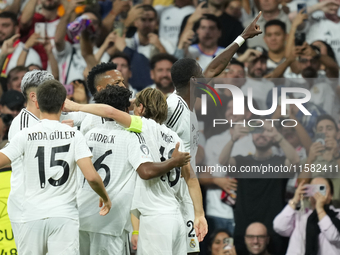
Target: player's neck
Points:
(50, 116)
(33, 109)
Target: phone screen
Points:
(302, 6)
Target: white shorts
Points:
(57, 236)
(188, 214)
(16, 228)
(91, 243)
(161, 234)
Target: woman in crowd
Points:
(311, 231)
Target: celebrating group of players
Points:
(137, 165)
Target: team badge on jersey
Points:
(192, 243)
(144, 149)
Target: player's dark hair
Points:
(326, 117)
(211, 17)
(115, 96)
(51, 95)
(10, 15)
(121, 55)
(160, 57)
(276, 22)
(96, 73)
(155, 104)
(182, 71)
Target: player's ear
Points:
(33, 96)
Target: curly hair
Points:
(155, 104)
(115, 96)
(96, 74)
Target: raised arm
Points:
(51, 59)
(27, 14)
(220, 62)
(7, 48)
(96, 183)
(151, 170)
(101, 110)
(14, 7)
(118, 6)
(32, 41)
(200, 224)
(60, 33)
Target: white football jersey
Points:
(117, 154)
(77, 117)
(184, 123)
(171, 20)
(90, 121)
(23, 120)
(50, 151)
(157, 196)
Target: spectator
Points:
(8, 29)
(48, 17)
(52, 62)
(171, 20)
(161, 72)
(219, 212)
(145, 41)
(235, 74)
(325, 151)
(257, 69)
(275, 38)
(208, 32)
(216, 241)
(324, 27)
(257, 239)
(234, 9)
(311, 231)
(14, 78)
(230, 27)
(11, 102)
(270, 10)
(123, 65)
(71, 63)
(259, 199)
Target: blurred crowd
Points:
(299, 47)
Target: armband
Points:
(136, 124)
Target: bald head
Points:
(257, 239)
(256, 228)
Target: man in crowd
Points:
(160, 73)
(259, 199)
(270, 10)
(257, 239)
(275, 38)
(123, 65)
(230, 27)
(48, 17)
(15, 77)
(9, 28)
(324, 151)
(208, 32)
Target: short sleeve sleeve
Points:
(16, 147)
(82, 150)
(138, 151)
